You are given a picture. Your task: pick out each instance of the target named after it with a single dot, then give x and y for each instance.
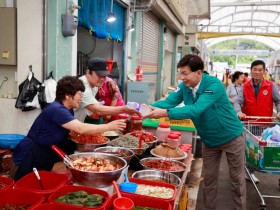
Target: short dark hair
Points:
(258, 62)
(68, 85)
(236, 75)
(246, 74)
(194, 62)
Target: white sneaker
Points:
(255, 179)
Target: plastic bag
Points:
(42, 97)
(28, 89)
(50, 89)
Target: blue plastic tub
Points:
(9, 141)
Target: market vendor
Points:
(52, 127)
(207, 105)
(95, 75)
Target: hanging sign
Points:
(241, 52)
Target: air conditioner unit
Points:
(142, 5)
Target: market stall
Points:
(135, 157)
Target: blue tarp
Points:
(93, 14)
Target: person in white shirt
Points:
(95, 75)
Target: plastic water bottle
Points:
(144, 109)
(133, 105)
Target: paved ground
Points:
(269, 185)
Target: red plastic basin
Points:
(51, 182)
(8, 182)
(20, 196)
(152, 183)
(139, 201)
(72, 188)
(54, 206)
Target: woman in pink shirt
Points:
(110, 93)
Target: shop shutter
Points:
(149, 34)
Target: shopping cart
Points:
(261, 155)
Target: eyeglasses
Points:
(184, 73)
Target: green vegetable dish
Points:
(81, 198)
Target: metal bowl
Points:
(178, 158)
(96, 179)
(123, 139)
(161, 176)
(128, 153)
(179, 173)
(152, 143)
(89, 147)
(138, 151)
(112, 136)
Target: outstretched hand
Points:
(156, 113)
(132, 111)
(117, 125)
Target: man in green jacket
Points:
(207, 105)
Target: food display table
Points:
(134, 166)
(185, 127)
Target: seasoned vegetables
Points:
(81, 198)
(15, 207)
(127, 141)
(95, 164)
(97, 138)
(155, 191)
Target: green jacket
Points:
(211, 111)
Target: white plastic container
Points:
(173, 140)
(179, 136)
(162, 131)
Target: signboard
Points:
(241, 52)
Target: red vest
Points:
(262, 105)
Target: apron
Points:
(42, 157)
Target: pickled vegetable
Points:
(82, 198)
(15, 207)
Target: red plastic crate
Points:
(51, 182)
(72, 188)
(7, 181)
(150, 202)
(152, 183)
(20, 196)
(54, 206)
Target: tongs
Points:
(62, 154)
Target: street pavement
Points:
(269, 185)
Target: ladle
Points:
(38, 177)
(122, 203)
(63, 156)
(128, 186)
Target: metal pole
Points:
(201, 47)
